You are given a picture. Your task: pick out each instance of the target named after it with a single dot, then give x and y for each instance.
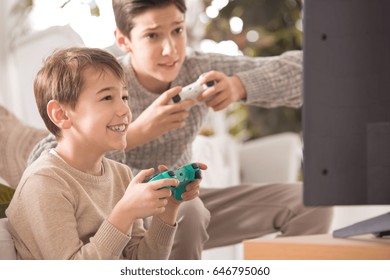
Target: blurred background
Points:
(250, 144)
(235, 27)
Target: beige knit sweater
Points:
(59, 212)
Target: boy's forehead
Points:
(91, 74)
(156, 17)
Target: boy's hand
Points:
(150, 198)
(192, 189)
(141, 200)
(160, 117)
(226, 90)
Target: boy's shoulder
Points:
(45, 165)
(45, 162)
(44, 171)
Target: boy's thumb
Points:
(167, 96)
(142, 175)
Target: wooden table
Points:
(318, 247)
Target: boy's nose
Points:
(169, 47)
(123, 109)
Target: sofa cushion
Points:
(16, 142)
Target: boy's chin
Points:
(120, 147)
(168, 77)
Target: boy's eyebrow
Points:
(154, 27)
(109, 88)
(178, 22)
(105, 89)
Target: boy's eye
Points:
(125, 98)
(108, 97)
(152, 35)
(179, 30)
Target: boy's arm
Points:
(155, 243)
(269, 81)
(160, 117)
(277, 83)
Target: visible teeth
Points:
(118, 127)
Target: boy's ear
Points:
(122, 41)
(57, 114)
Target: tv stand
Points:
(379, 226)
(318, 247)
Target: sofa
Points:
(16, 142)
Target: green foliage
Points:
(6, 194)
(276, 23)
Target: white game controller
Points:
(192, 91)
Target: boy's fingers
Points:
(167, 96)
(202, 165)
(158, 184)
(193, 185)
(140, 177)
(162, 168)
(164, 193)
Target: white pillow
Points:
(220, 153)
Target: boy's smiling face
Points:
(101, 116)
(157, 46)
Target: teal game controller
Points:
(184, 175)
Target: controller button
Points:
(198, 174)
(210, 83)
(171, 173)
(176, 98)
(194, 165)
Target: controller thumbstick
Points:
(198, 174)
(176, 98)
(210, 83)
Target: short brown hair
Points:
(61, 79)
(126, 10)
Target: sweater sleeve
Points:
(277, 83)
(269, 81)
(155, 243)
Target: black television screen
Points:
(346, 102)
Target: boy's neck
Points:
(87, 163)
(151, 84)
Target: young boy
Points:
(72, 202)
(153, 34)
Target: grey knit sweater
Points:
(269, 82)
